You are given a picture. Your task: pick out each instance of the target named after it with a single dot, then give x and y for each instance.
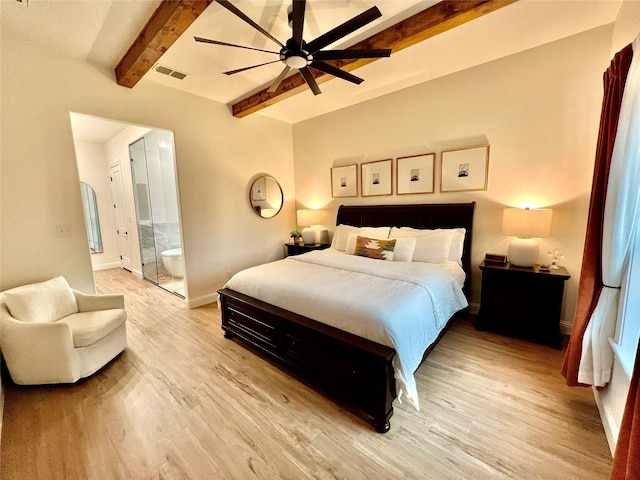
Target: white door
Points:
(120, 217)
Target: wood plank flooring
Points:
(182, 402)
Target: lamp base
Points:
(309, 235)
(523, 252)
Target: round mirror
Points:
(265, 196)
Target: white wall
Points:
(94, 170)
(539, 110)
(217, 155)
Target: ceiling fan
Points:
(298, 54)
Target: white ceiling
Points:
(95, 130)
(100, 32)
(522, 25)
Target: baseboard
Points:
(108, 266)
(203, 300)
(474, 308)
(565, 327)
(137, 273)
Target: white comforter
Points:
(403, 305)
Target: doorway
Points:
(120, 217)
(133, 203)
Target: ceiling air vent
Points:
(169, 71)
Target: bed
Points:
(361, 357)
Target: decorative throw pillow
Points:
(375, 248)
(41, 302)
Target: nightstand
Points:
(294, 249)
(522, 301)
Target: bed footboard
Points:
(352, 370)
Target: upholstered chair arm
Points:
(38, 353)
(91, 303)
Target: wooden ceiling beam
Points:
(428, 23)
(168, 22)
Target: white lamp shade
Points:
(306, 218)
(527, 223)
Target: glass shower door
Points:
(142, 197)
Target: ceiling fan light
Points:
(300, 55)
(296, 61)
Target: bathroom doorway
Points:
(105, 162)
(156, 206)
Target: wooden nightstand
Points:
(522, 301)
(294, 249)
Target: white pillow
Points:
(403, 251)
(342, 233)
(405, 248)
(350, 246)
(457, 241)
(432, 246)
(457, 245)
(41, 302)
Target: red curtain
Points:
(590, 284)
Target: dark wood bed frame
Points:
(354, 371)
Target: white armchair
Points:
(50, 333)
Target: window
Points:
(628, 325)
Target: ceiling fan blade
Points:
(350, 54)
(343, 30)
(232, 8)
(308, 77)
(276, 83)
(298, 20)
(216, 42)
(231, 72)
(336, 72)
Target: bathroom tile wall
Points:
(155, 240)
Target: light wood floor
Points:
(182, 402)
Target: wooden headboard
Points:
(443, 215)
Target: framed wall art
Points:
(376, 178)
(344, 181)
(415, 174)
(464, 169)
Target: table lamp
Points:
(526, 225)
(307, 218)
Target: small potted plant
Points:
(296, 236)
